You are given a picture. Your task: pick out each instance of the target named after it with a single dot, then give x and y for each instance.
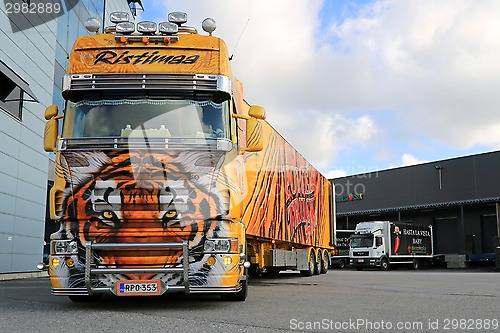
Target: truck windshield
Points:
(148, 117)
(361, 240)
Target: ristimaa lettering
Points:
(145, 58)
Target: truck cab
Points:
(369, 246)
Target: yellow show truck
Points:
(166, 180)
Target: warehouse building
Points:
(33, 56)
(459, 197)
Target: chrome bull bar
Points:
(91, 269)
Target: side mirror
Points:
(254, 135)
(254, 130)
(51, 129)
(51, 111)
(257, 112)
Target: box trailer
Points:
(384, 243)
(341, 256)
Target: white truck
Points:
(384, 243)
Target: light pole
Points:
(439, 169)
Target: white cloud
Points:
(408, 159)
(433, 63)
(338, 173)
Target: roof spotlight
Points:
(146, 27)
(125, 27)
(168, 28)
(177, 17)
(118, 17)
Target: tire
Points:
(384, 264)
(84, 298)
(325, 263)
(342, 264)
(311, 261)
(415, 264)
(239, 296)
(316, 264)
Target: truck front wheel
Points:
(239, 296)
(384, 264)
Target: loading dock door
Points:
(488, 233)
(446, 236)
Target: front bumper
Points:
(180, 289)
(92, 270)
(364, 262)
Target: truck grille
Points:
(360, 253)
(78, 83)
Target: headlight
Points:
(64, 247)
(220, 245)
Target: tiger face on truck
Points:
(141, 196)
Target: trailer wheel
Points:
(240, 296)
(312, 261)
(342, 264)
(384, 264)
(415, 264)
(317, 262)
(325, 262)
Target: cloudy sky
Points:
(359, 86)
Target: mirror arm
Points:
(234, 115)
